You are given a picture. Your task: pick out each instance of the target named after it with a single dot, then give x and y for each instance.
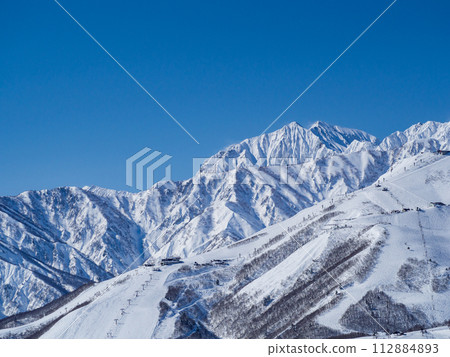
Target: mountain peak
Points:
(319, 123)
(296, 142)
(294, 124)
(430, 130)
(338, 138)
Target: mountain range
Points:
(245, 205)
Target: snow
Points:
(442, 332)
(283, 275)
(98, 318)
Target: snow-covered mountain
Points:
(53, 241)
(429, 131)
(374, 261)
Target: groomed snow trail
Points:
(127, 310)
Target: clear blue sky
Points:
(70, 116)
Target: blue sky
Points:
(70, 116)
